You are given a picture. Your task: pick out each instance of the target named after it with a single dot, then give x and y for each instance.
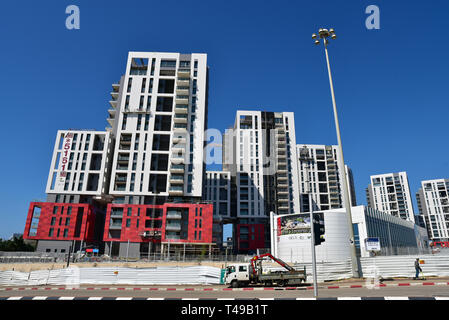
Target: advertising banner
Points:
(63, 162)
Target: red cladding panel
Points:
(75, 221)
(132, 230)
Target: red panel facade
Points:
(250, 237)
(59, 221)
(137, 219)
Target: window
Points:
(242, 269)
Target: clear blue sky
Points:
(391, 84)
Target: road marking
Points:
(123, 298)
(66, 298)
(14, 298)
(441, 298)
(349, 298)
(95, 298)
(39, 298)
(396, 298)
(155, 298)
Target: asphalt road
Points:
(395, 289)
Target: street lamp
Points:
(324, 35)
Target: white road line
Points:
(15, 298)
(95, 298)
(305, 298)
(39, 298)
(396, 298)
(441, 298)
(124, 298)
(156, 299)
(349, 298)
(66, 298)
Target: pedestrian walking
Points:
(417, 268)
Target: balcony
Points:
(282, 199)
(116, 87)
(111, 112)
(174, 215)
(182, 91)
(176, 190)
(179, 128)
(180, 118)
(176, 179)
(173, 227)
(113, 104)
(177, 168)
(178, 148)
(184, 100)
(183, 82)
(182, 109)
(282, 191)
(114, 95)
(183, 73)
(283, 206)
(179, 139)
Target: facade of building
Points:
(139, 231)
(320, 176)
(260, 153)
(59, 227)
(390, 193)
(149, 159)
(160, 116)
(217, 191)
(433, 205)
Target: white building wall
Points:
(391, 202)
(434, 200)
(142, 139)
(80, 160)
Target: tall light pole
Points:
(305, 160)
(324, 35)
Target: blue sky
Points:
(391, 84)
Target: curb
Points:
(229, 289)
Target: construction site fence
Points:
(39, 257)
(372, 268)
(74, 276)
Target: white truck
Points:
(244, 274)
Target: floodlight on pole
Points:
(325, 34)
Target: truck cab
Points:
(238, 274)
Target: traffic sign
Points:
(372, 244)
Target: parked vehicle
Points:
(244, 274)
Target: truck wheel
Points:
(234, 284)
(282, 283)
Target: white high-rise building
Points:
(79, 166)
(159, 118)
(433, 204)
(318, 170)
(260, 153)
(390, 193)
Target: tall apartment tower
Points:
(135, 189)
(433, 205)
(159, 116)
(260, 153)
(390, 193)
(318, 168)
